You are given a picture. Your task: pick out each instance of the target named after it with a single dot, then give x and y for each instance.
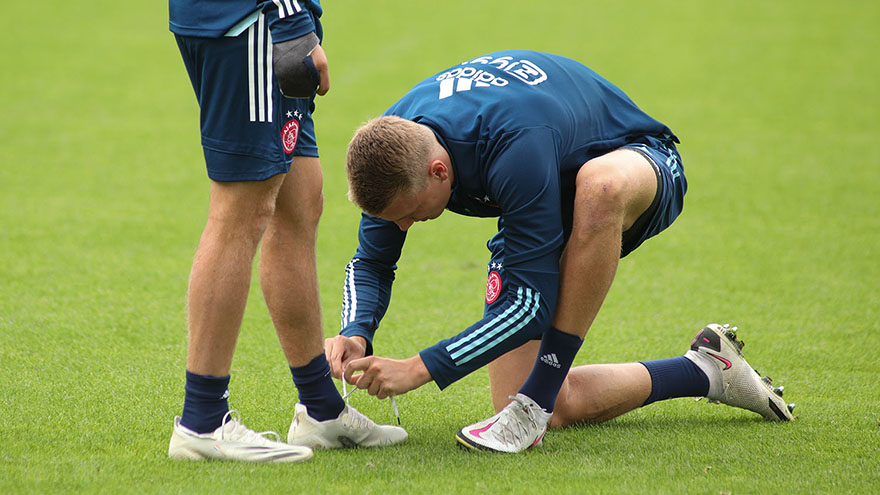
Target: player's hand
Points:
(300, 66)
(340, 350)
(385, 377)
(319, 58)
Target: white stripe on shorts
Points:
(260, 72)
(270, 108)
(250, 65)
(261, 96)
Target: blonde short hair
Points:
(387, 155)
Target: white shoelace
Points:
(240, 432)
(346, 394)
(516, 430)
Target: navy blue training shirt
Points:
(288, 19)
(517, 125)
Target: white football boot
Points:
(232, 441)
(350, 429)
(519, 426)
(718, 352)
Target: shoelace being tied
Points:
(346, 394)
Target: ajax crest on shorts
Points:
(493, 287)
(289, 134)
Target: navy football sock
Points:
(204, 404)
(558, 350)
(675, 377)
(317, 390)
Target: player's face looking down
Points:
(407, 208)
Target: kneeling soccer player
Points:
(578, 177)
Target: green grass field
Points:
(103, 195)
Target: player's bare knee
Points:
(257, 220)
(311, 214)
(600, 200)
(301, 216)
(237, 218)
(316, 208)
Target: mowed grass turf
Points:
(103, 196)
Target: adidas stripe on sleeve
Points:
(366, 291)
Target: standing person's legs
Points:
(247, 167)
(288, 276)
(288, 271)
(289, 279)
(219, 282)
(238, 214)
(220, 278)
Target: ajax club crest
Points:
(289, 134)
(493, 287)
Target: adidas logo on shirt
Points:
(463, 77)
(550, 360)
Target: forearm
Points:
(365, 297)
(418, 371)
(385, 377)
(522, 318)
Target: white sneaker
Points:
(517, 427)
(350, 429)
(232, 441)
(718, 353)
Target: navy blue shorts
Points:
(671, 188)
(250, 131)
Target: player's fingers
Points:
(350, 355)
(354, 380)
(364, 381)
(319, 58)
(333, 352)
(335, 368)
(358, 365)
(375, 387)
(354, 366)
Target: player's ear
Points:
(438, 170)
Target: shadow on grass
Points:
(664, 423)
